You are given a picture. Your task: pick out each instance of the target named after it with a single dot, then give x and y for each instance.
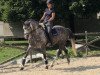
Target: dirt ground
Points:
(78, 66)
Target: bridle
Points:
(32, 30)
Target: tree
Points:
(17, 10)
(67, 9)
(89, 7)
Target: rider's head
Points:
(49, 3)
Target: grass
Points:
(16, 42)
(7, 52)
(52, 52)
(90, 53)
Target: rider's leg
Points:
(49, 33)
(49, 28)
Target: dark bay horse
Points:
(37, 40)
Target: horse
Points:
(37, 39)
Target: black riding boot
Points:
(50, 39)
(49, 36)
(48, 28)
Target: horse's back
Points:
(58, 30)
(58, 26)
(61, 30)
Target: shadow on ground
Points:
(79, 68)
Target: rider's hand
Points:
(40, 21)
(45, 22)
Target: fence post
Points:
(2, 40)
(86, 40)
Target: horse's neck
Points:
(36, 33)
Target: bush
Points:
(15, 10)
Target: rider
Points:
(48, 18)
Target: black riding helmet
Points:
(49, 1)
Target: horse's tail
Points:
(72, 38)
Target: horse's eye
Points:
(24, 28)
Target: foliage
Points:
(86, 7)
(4, 13)
(17, 10)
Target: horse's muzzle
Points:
(26, 36)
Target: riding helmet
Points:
(49, 1)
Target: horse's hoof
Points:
(57, 63)
(22, 68)
(46, 67)
(68, 62)
(52, 65)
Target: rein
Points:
(32, 31)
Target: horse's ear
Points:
(31, 26)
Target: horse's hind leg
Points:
(24, 59)
(59, 51)
(66, 53)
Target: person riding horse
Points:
(48, 18)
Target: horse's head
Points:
(29, 26)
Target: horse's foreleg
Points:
(59, 51)
(45, 60)
(31, 56)
(24, 59)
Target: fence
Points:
(88, 43)
(11, 29)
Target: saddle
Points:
(54, 32)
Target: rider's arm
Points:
(42, 17)
(52, 18)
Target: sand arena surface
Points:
(78, 66)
